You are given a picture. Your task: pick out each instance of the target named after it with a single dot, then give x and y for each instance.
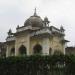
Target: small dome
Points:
(34, 21)
(62, 29)
(45, 19)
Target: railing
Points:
(11, 38)
(43, 31)
(55, 30)
(23, 28)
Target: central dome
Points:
(34, 21)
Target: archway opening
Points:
(22, 50)
(12, 52)
(37, 49)
(50, 51)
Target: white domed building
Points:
(35, 37)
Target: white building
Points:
(35, 37)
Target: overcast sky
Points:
(59, 12)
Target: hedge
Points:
(38, 65)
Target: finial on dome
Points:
(35, 12)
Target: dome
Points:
(34, 21)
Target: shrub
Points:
(38, 65)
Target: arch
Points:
(58, 52)
(12, 52)
(37, 49)
(50, 51)
(22, 50)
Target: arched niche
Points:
(12, 52)
(50, 51)
(37, 49)
(22, 50)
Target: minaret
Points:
(46, 21)
(62, 29)
(9, 32)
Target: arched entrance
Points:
(50, 51)
(22, 50)
(12, 52)
(37, 49)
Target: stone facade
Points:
(70, 50)
(35, 37)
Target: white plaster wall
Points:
(22, 40)
(29, 43)
(44, 42)
(57, 45)
(33, 42)
(9, 47)
(46, 46)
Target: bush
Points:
(38, 65)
